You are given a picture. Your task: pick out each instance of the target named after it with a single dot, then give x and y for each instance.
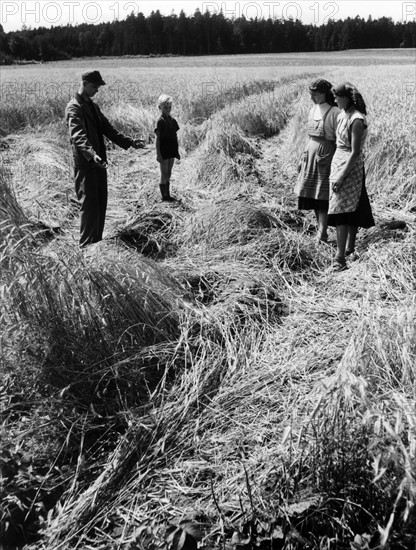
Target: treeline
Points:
(201, 34)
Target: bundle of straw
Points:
(227, 222)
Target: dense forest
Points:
(201, 34)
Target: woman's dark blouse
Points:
(167, 127)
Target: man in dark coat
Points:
(87, 128)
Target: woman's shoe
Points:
(352, 255)
(339, 265)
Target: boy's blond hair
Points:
(164, 99)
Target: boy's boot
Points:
(164, 192)
(169, 198)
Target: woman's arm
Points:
(357, 130)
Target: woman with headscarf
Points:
(312, 186)
(349, 206)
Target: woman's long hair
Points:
(346, 89)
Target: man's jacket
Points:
(87, 126)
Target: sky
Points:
(35, 13)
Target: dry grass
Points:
(42, 173)
(150, 233)
(10, 209)
(235, 381)
(229, 222)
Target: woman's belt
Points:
(321, 139)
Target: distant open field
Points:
(202, 374)
(404, 56)
(37, 94)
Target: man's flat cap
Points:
(94, 77)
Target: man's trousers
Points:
(91, 190)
